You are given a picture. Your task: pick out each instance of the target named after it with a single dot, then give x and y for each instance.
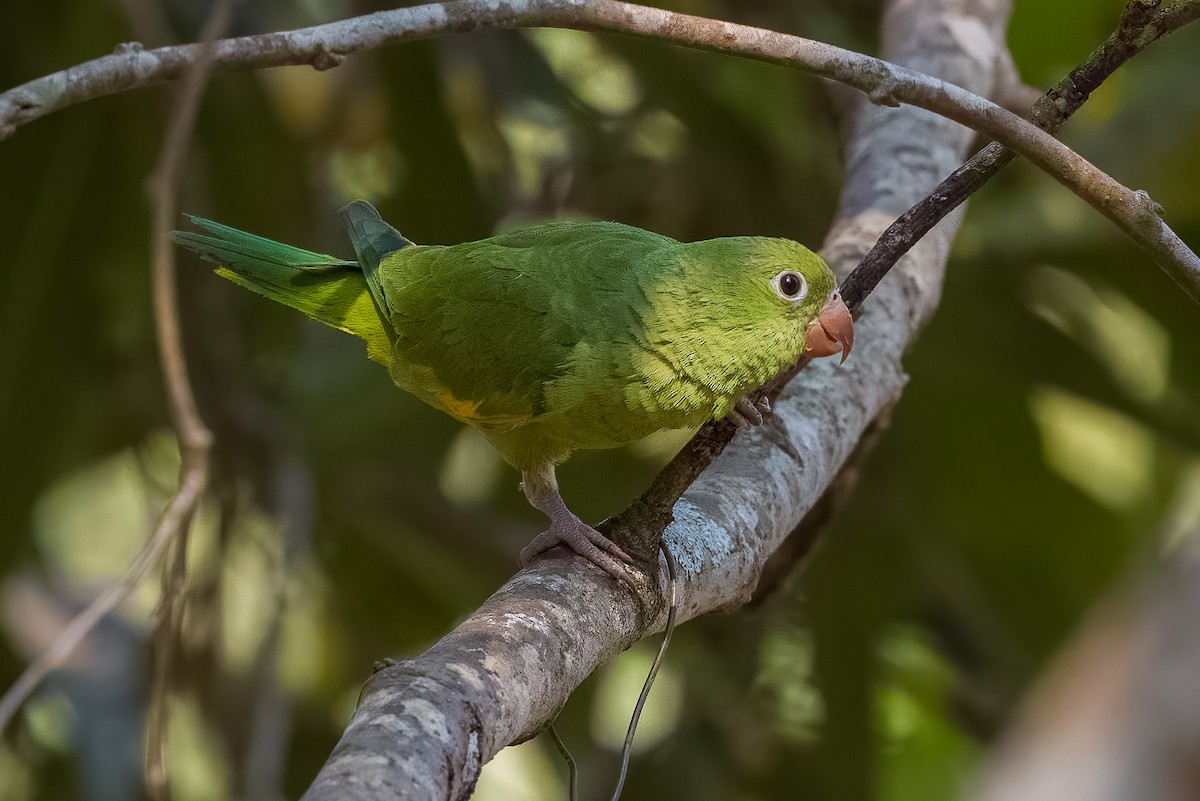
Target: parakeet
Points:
(558, 336)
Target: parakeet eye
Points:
(790, 286)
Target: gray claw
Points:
(381, 664)
(588, 543)
(746, 412)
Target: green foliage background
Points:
(1045, 448)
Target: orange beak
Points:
(832, 331)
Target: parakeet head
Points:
(806, 287)
(737, 310)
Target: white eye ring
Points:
(790, 285)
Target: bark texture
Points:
(425, 726)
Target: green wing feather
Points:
(516, 328)
(327, 289)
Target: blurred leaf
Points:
(1133, 346)
(195, 755)
(1104, 454)
(525, 772)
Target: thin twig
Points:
(326, 46)
(572, 766)
(640, 525)
(627, 746)
(672, 611)
(1141, 24)
(195, 439)
(173, 519)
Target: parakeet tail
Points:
(330, 290)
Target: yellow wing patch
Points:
(486, 414)
(465, 410)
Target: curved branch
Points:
(174, 518)
(1142, 24)
(326, 46)
(194, 438)
(425, 726)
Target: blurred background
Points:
(1046, 447)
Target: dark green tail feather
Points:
(228, 244)
(327, 289)
(372, 239)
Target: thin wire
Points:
(627, 749)
(572, 768)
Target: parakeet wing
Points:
(483, 329)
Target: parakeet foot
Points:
(585, 541)
(541, 488)
(747, 413)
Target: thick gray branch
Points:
(326, 46)
(1118, 717)
(425, 726)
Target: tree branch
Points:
(425, 726)
(193, 436)
(195, 440)
(326, 46)
(1118, 715)
(1141, 24)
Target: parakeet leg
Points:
(541, 488)
(747, 413)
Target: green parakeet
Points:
(558, 336)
